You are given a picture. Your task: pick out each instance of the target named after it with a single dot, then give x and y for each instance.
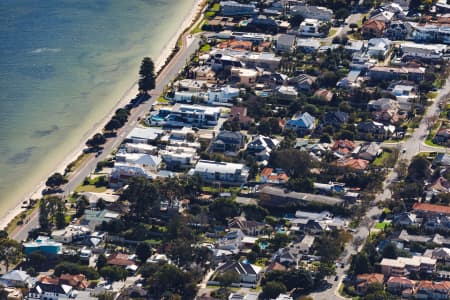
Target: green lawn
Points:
(332, 32)
(382, 225)
(384, 160)
(205, 48)
(90, 188)
(216, 7)
(198, 28)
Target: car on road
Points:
(336, 278)
(403, 150)
(99, 152)
(51, 191)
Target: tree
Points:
(146, 72)
(10, 251)
(143, 196)
(353, 26)
(44, 221)
(143, 251)
(60, 216)
(36, 260)
(272, 289)
(360, 264)
(419, 169)
(227, 278)
(113, 124)
(294, 162)
(55, 180)
(101, 261)
(342, 13)
(113, 273)
(222, 209)
(390, 251)
(180, 251)
(97, 140)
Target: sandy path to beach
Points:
(129, 94)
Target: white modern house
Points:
(310, 27)
(378, 47)
(149, 162)
(144, 135)
(222, 172)
(192, 115)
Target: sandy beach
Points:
(129, 94)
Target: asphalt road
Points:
(190, 45)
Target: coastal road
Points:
(412, 146)
(189, 46)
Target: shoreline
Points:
(164, 58)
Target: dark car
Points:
(336, 278)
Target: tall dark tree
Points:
(60, 218)
(97, 140)
(44, 221)
(143, 196)
(147, 74)
(55, 180)
(143, 251)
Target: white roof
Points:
(207, 166)
(141, 159)
(144, 133)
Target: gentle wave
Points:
(44, 50)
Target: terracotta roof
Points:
(326, 94)
(356, 164)
(400, 280)
(276, 267)
(266, 172)
(76, 281)
(371, 278)
(343, 144)
(432, 208)
(374, 25)
(119, 259)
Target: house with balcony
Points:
(302, 123)
(236, 9)
(192, 115)
(310, 27)
(311, 11)
(403, 266)
(220, 172)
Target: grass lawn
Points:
(382, 225)
(161, 99)
(332, 32)
(383, 160)
(73, 166)
(432, 95)
(215, 7)
(205, 48)
(360, 20)
(210, 189)
(198, 28)
(90, 188)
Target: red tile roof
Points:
(432, 208)
(120, 259)
(352, 163)
(374, 25)
(370, 278)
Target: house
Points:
(232, 241)
(383, 16)
(236, 9)
(301, 122)
(286, 92)
(239, 114)
(324, 94)
(71, 233)
(122, 172)
(432, 290)
(406, 219)
(426, 52)
(244, 76)
(313, 12)
(192, 115)
(355, 164)
(379, 130)
(310, 27)
(306, 243)
(352, 80)
(307, 45)
(335, 119)
(44, 244)
(228, 141)
(249, 227)
(222, 94)
(227, 173)
(397, 284)
(119, 259)
(405, 265)
(248, 273)
(16, 278)
(369, 151)
(148, 162)
(78, 282)
(141, 148)
(343, 148)
(261, 146)
(373, 28)
(378, 47)
(278, 197)
(426, 209)
(178, 157)
(287, 256)
(397, 30)
(49, 291)
(385, 110)
(285, 43)
(92, 217)
(440, 185)
(363, 281)
(143, 135)
(442, 255)
(269, 175)
(355, 46)
(441, 159)
(442, 136)
(302, 82)
(262, 23)
(395, 73)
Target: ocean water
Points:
(63, 66)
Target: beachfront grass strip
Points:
(81, 159)
(20, 218)
(198, 28)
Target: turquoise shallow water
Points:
(63, 66)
